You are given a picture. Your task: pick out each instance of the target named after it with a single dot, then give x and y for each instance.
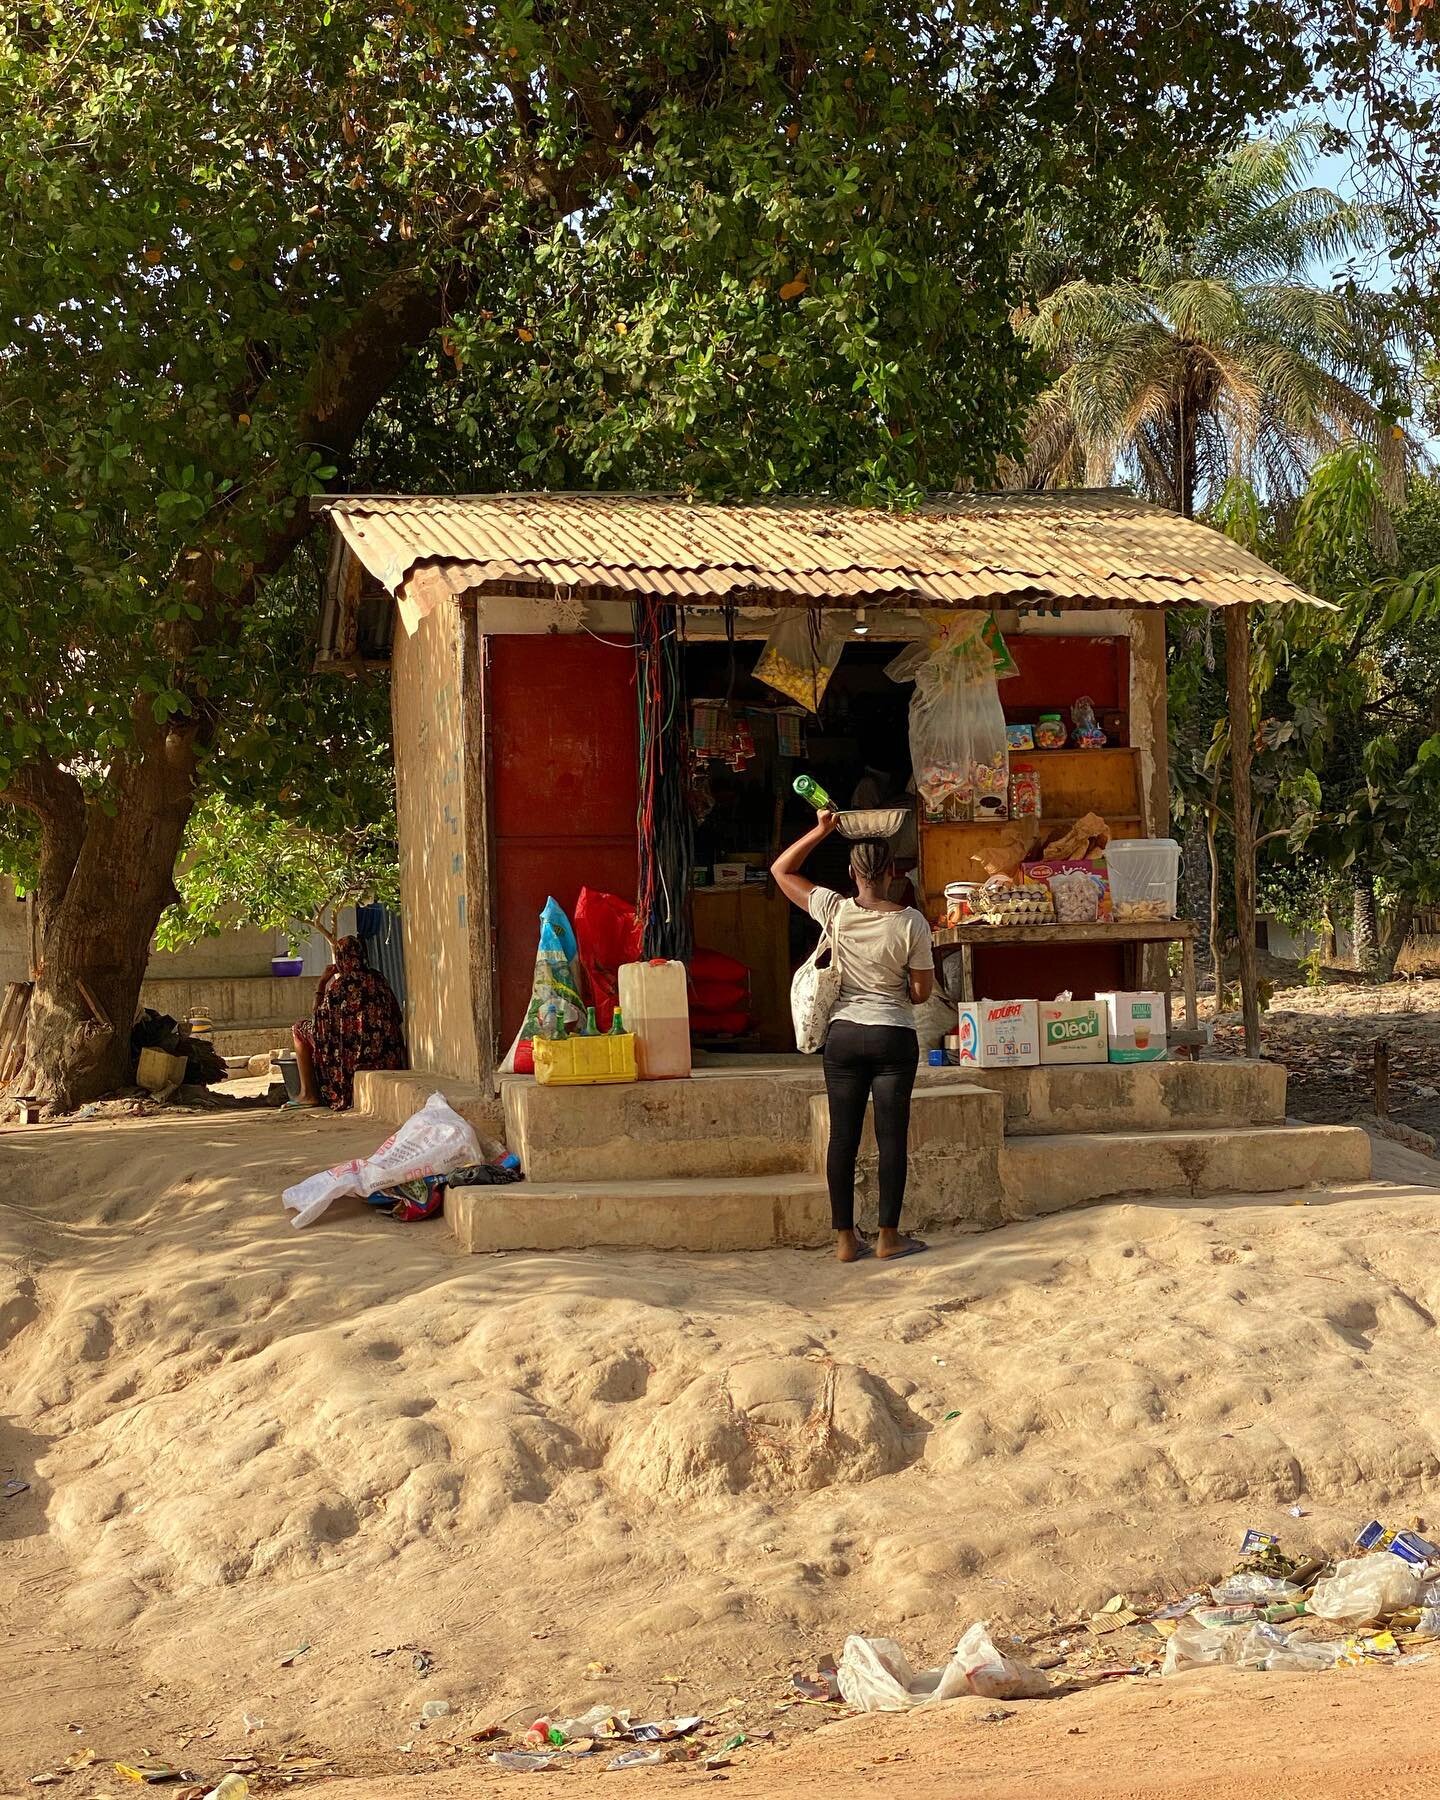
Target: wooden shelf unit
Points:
(1072, 783)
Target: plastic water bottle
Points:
(808, 788)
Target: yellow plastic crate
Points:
(585, 1061)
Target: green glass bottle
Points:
(591, 1028)
(808, 788)
(617, 1024)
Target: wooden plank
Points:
(1114, 931)
(14, 1014)
(1237, 686)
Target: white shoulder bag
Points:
(814, 992)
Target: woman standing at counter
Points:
(886, 966)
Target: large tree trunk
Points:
(1366, 925)
(1394, 929)
(106, 877)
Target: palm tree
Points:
(1215, 356)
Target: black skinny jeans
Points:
(861, 1060)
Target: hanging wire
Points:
(665, 827)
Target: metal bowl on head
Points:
(871, 821)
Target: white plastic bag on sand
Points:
(1272, 1589)
(429, 1142)
(1364, 1589)
(876, 1676)
(1195, 1646)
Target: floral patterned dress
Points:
(357, 1024)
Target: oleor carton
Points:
(1073, 1031)
(1137, 1027)
(999, 1034)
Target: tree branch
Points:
(57, 800)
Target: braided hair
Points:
(870, 858)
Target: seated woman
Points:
(871, 1049)
(356, 1024)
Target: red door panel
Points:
(563, 755)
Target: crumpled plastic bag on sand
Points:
(430, 1142)
(1365, 1589)
(875, 1674)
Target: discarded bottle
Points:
(435, 1709)
(591, 1029)
(229, 1787)
(808, 788)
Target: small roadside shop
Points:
(616, 691)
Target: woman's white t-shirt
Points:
(876, 951)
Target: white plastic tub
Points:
(1144, 874)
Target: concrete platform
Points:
(733, 1158)
(1048, 1174)
(740, 1214)
(390, 1096)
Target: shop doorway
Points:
(750, 744)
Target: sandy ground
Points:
(664, 1482)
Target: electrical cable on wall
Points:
(666, 828)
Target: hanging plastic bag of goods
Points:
(957, 726)
(800, 656)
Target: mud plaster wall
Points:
(426, 705)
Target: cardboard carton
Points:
(1073, 1031)
(998, 1034)
(1137, 1027)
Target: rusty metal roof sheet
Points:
(1079, 547)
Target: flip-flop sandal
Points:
(913, 1248)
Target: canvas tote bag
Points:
(814, 992)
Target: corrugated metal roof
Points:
(1080, 547)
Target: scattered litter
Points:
(809, 1687)
(293, 1656)
(13, 1487)
(252, 1724)
(430, 1142)
(421, 1662)
(229, 1787)
(149, 1773)
(876, 1676)
(948, 1417)
(435, 1709)
(46, 1778)
(1298, 1512)
(521, 1762)
(662, 1731)
(1102, 1623)
(1364, 1589)
(638, 1758)
(1116, 1603)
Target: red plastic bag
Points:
(608, 933)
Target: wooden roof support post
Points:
(1237, 684)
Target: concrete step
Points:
(1046, 1174)
(391, 1096)
(252, 1040)
(944, 1118)
(737, 1214)
(710, 1126)
(1164, 1096)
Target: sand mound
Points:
(240, 1437)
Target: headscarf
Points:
(357, 1025)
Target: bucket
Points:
(289, 1068)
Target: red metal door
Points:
(563, 756)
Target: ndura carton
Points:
(999, 1034)
(1073, 1031)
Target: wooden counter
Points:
(1128, 934)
